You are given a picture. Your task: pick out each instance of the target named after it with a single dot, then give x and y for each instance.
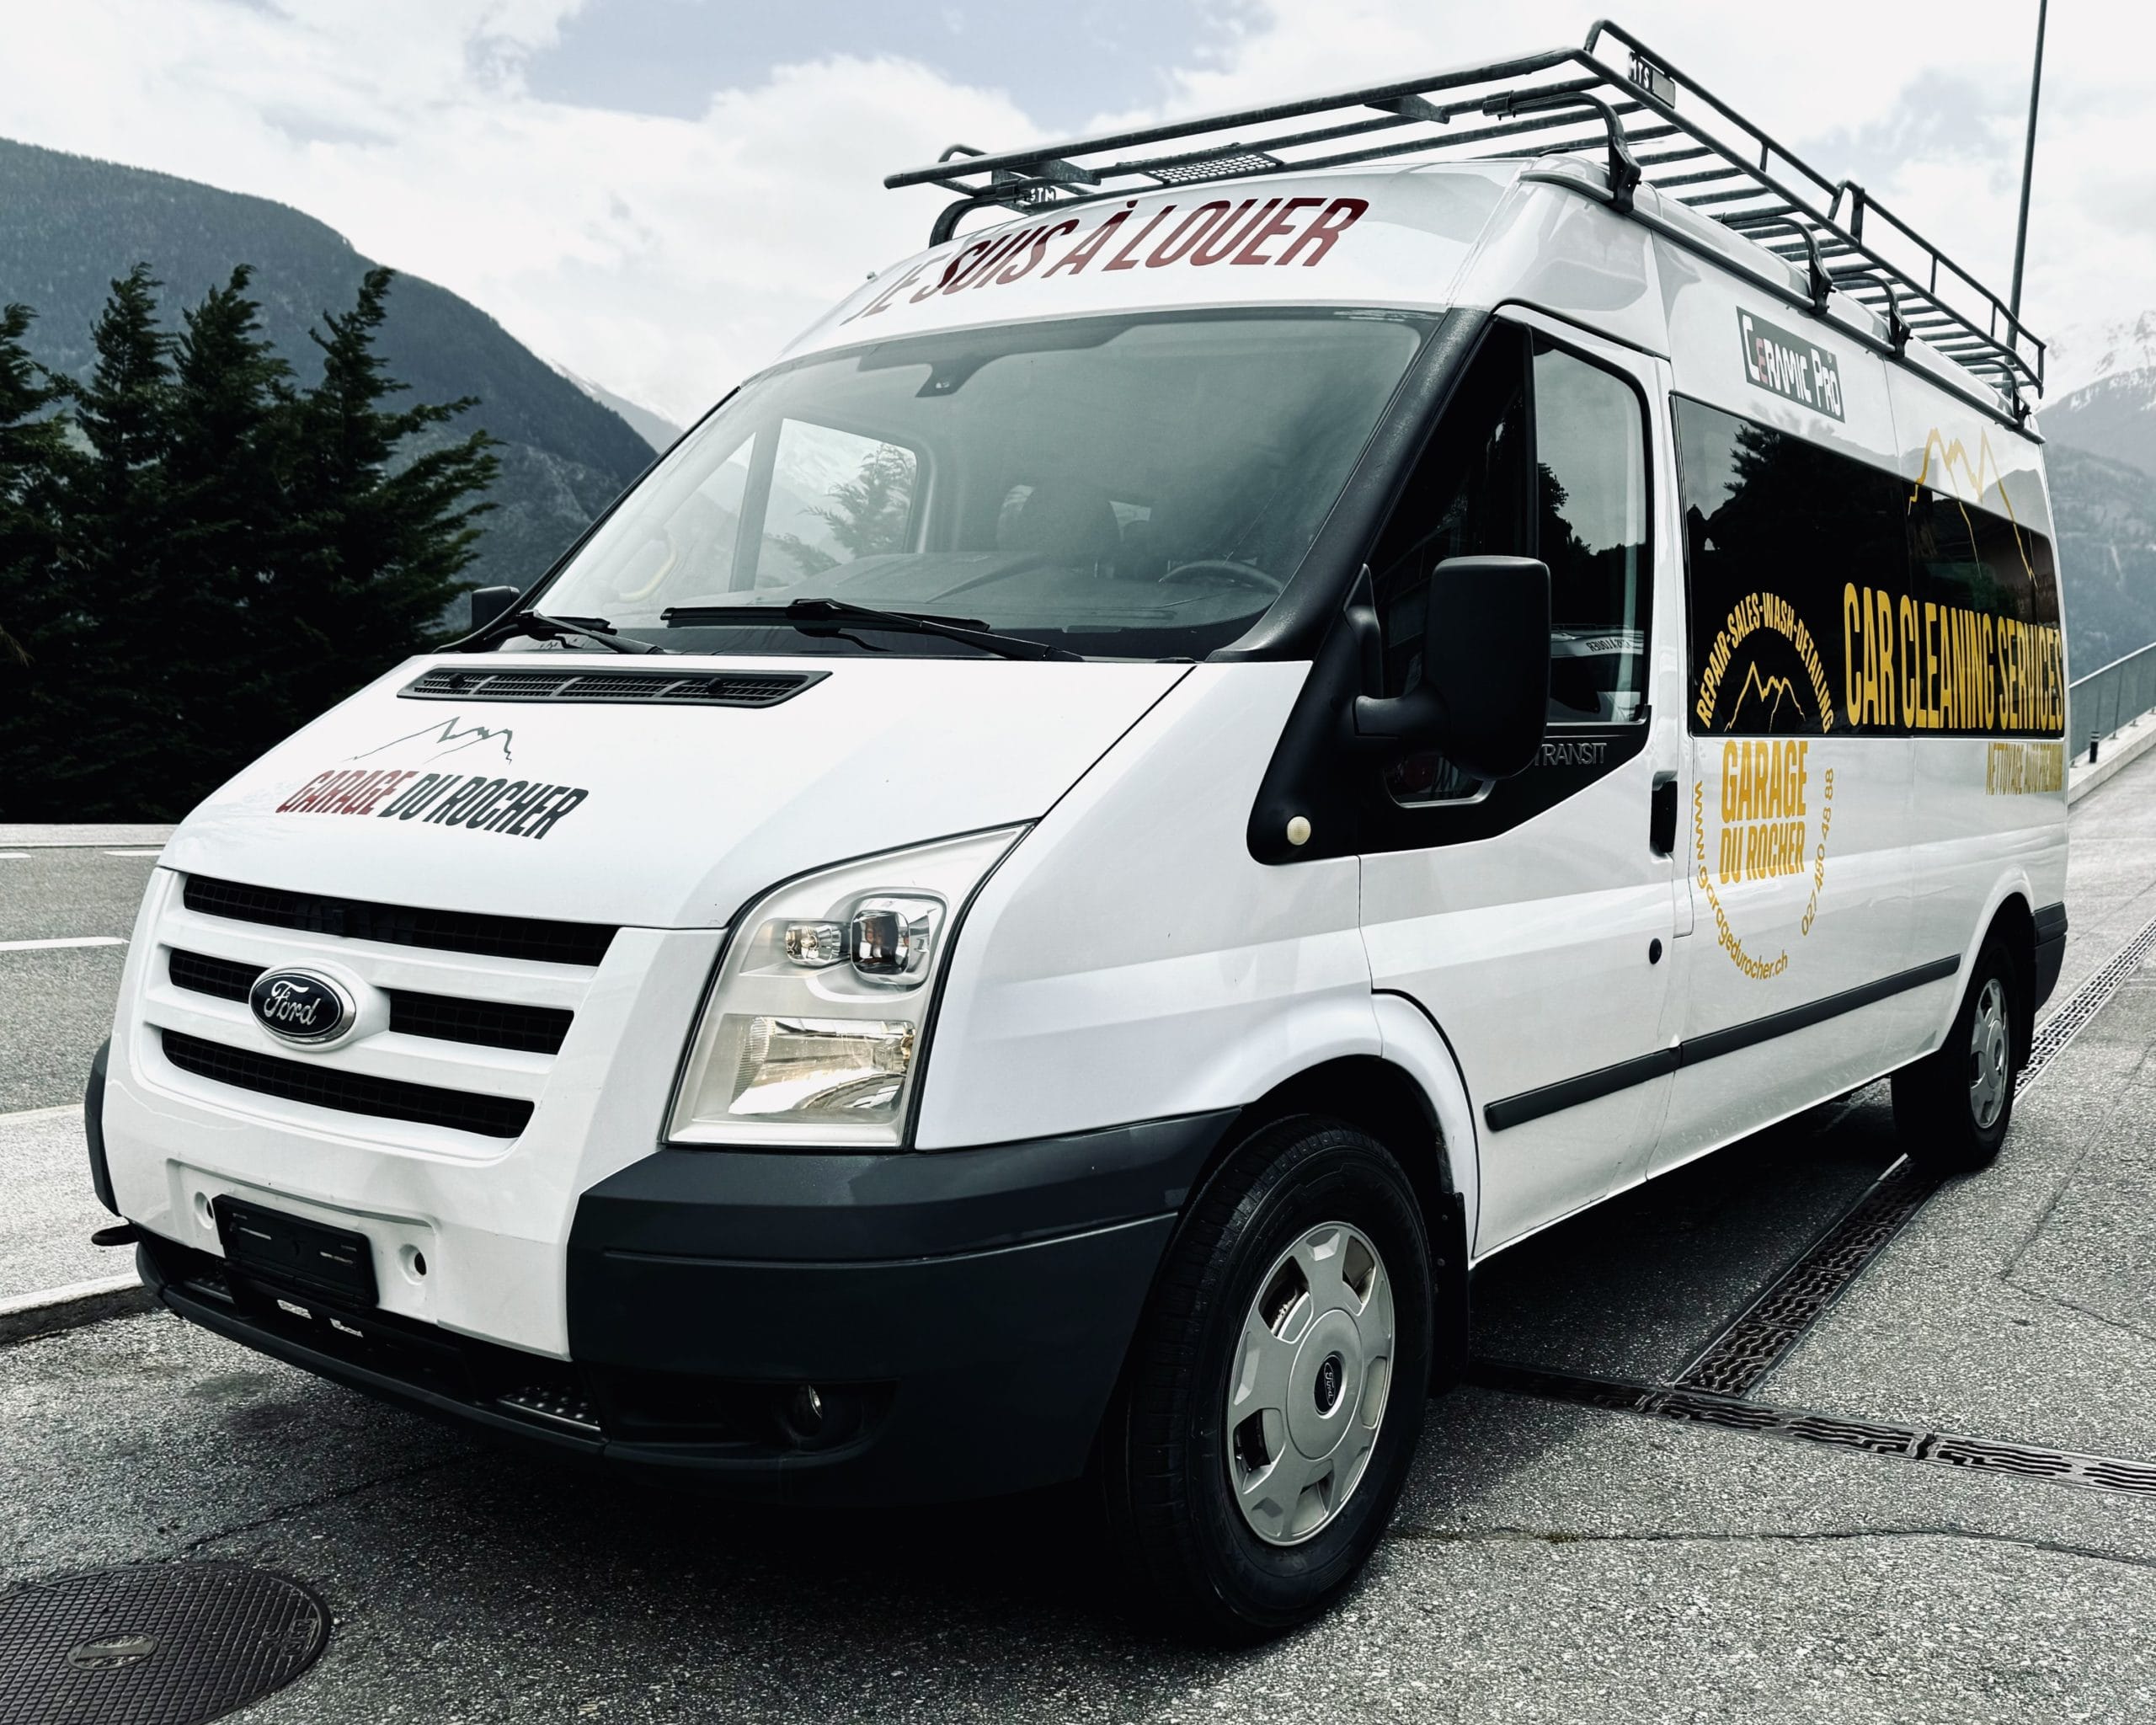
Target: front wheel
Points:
(1276, 1388)
(1951, 1109)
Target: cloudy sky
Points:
(657, 194)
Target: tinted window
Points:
(1796, 571)
(1591, 529)
(1828, 594)
(1981, 647)
(1540, 454)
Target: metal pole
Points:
(2028, 163)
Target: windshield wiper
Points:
(543, 628)
(823, 616)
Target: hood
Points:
(649, 813)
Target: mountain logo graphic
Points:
(452, 739)
(1774, 690)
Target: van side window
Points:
(836, 497)
(1540, 453)
(1985, 656)
(1796, 573)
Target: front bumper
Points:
(962, 1315)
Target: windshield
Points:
(1126, 487)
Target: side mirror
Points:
(489, 604)
(1485, 694)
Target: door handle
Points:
(1661, 814)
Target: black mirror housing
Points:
(1484, 699)
(490, 604)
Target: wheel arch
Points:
(1394, 1103)
(2012, 918)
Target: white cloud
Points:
(667, 257)
(1852, 85)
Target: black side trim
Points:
(2051, 924)
(1717, 1043)
(1606, 1081)
(1589, 1086)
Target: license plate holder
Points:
(336, 1263)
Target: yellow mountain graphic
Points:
(1776, 689)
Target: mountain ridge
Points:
(70, 224)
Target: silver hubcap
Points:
(1989, 1060)
(1307, 1390)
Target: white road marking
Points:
(159, 852)
(15, 856)
(44, 946)
(27, 1115)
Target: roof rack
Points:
(1563, 100)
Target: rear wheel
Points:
(1952, 1107)
(1276, 1388)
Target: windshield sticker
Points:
(1277, 232)
(1790, 366)
(478, 802)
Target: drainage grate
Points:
(1911, 1443)
(1750, 1348)
(167, 1644)
(2074, 1014)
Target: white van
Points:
(1305, 706)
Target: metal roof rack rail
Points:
(1704, 156)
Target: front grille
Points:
(648, 687)
(349, 1092)
(398, 924)
(225, 978)
(536, 1030)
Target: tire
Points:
(1302, 1232)
(1952, 1109)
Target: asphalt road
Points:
(1549, 1563)
(55, 1004)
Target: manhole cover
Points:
(164, 1644)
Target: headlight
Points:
(814, 1029)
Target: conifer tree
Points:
(371, 550)
(96, 695)
(218, 555)
(227, 455)
(33, 443)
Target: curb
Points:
(51, 1309)
(2127, 746)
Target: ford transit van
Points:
(1301, 696)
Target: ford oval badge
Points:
(299, 1006)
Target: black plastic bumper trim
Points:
(1607, 1080)
(93, 1127)
(2050, 949)
(794, 1206)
